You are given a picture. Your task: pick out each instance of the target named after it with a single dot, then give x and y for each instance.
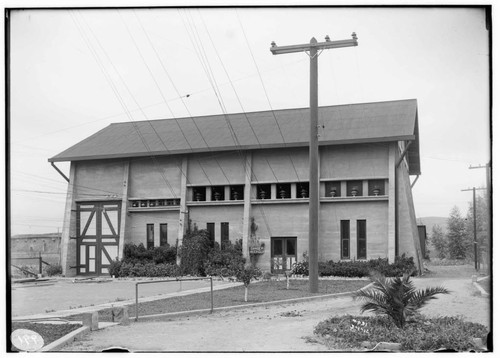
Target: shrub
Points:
(165, 254)
(226, 262)
(114, 268)
(401, 266)
(53, 270)
(420, 334)
(397, 297)
(125, 269)
(194, 250)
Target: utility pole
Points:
(312, 47)
(476, 265)
(487, 166)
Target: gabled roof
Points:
(343, 124)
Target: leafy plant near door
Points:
(396, 297)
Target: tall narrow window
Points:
(211, 233)
(224, 235)
(150, 238)
(163, 234)
(361, 239)
(344, 239)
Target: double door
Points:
(98, 235)
(283, 253)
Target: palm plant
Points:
(396, 297)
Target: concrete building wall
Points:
(98, 180)
(137, 225)
(270, 165)
(158, 178)
(363, 161)
(281, 220)
(216, 169)
(233, 214)
(374, 212)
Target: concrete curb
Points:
(228, 308)
(77, 333)
(481, 290)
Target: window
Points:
(237, 192)
(163, 234)
(211, 233)
(361, 239)
(302, 190)
(264, 191)
(283, 253)
(283, 191)
(332, 189)
(217, 193)
(150, 236)
(376, 187)
(224, 235)
(344, 239)
(355, 188)
(199, 193)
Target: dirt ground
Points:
(277, 328)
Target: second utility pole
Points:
(313, 48)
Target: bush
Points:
(165, 254)
(114, 268)
(53, 270)
(226, 262)
(195, 248)
(420, 334)
(401, 266)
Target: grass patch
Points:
(234, 296)
(354, 333)
(49, 332)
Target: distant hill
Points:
(430, 221)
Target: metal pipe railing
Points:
(173, 280)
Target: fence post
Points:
(211, 295)
(136, 301)
(40, 262)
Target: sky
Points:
(73, 72)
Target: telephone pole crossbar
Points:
(312, 47)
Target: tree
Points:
(439, 241)
(457, 236)
(246, 274)
(482, 217)
(396, 297)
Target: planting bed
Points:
(49, 332)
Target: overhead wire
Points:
(119, 97)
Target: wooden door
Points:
(98, 234)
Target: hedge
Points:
(401, 265)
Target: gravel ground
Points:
(278, 328)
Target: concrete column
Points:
(322, 189)
(227, 192)
(208, 193)
(343, 188)
(365, 188)
(391, 192)
(247, 206)
(183, 211)
(293, 190)
(69, 226)
(124, 209)
(273, 191)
